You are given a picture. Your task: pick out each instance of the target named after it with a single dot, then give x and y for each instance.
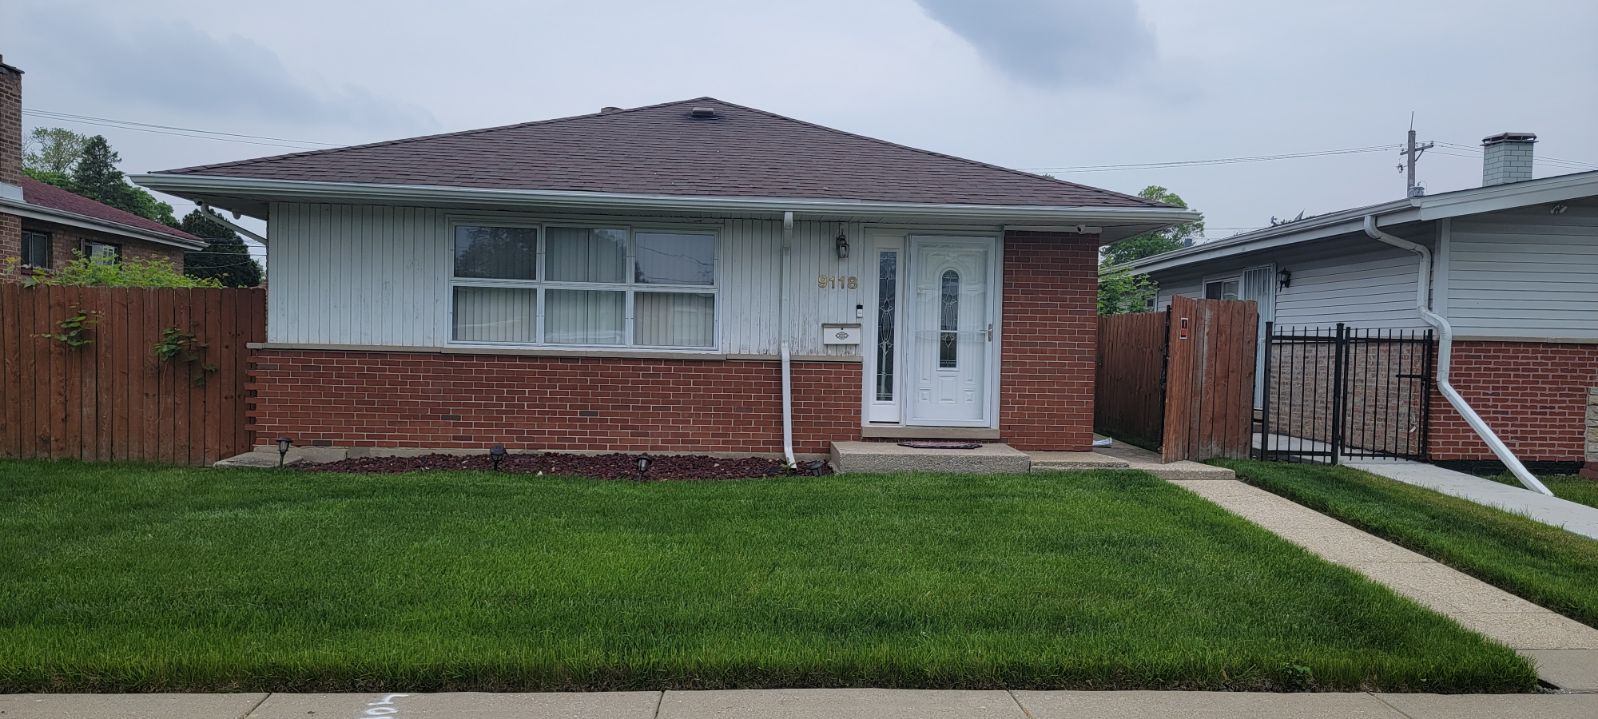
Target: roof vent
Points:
(703, 112)
(606, 110)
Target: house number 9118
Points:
(837, 282)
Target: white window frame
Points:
(539, 284)
(1204, 288)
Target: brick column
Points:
(1590, 468)
(1050, 327)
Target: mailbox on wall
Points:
(840, 334)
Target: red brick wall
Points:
(1050, 326)
(66, 242)
(415, 399)
(1533, 394)
(10, 237)
(10, 127)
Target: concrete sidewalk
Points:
(800, 704)
(1572, 516)
(1564, 650)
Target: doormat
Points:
(937, 444)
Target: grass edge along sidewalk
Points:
(130, 578)
(1542, 564)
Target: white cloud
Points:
(1052, 43)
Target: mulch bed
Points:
(602, 466)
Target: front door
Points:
(950, 333)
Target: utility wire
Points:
(1218, 160)
(156, 129)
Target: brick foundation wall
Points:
(1533, 394)
(1050, 329)
(414, 399)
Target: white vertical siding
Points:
(1350, 279)
(1525, 273)
(376, 275)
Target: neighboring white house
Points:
(1515, 270)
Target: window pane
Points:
(577, 254)
(103, 252)
(674, 319)
(949, 321)
(495, 314)
(669, 258)
(1221, 290)
(584, 317)
(887, 299)
(501, 253)
(36, 249)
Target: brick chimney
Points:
(10, 158)
(1506, 158)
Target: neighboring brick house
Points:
(669, 278)
(43, 226)
(1514, 270)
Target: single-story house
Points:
(1513, 268)
(44, 226)
(694, 275)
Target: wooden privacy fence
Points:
(1181, 380)
(103, 393)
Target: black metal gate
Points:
(1332, 393)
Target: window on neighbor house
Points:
(35, 248)
(1221, 289)
(102, 251)
(583, 286)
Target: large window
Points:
(584, 286)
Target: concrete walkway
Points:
(800, 704)
(1565, 651)
(1575, 517)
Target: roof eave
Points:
(192, 186)
(73, 219)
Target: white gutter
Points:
(782, 325)
(190, 185)
(1445, 344)
(73, 219)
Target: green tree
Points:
(1121, 291)
(53, 151)
(225, 258)
(94, 175)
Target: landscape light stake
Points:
(643, 461)
(283, 449)
(496, 454)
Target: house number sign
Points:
(838, 282)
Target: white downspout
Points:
(1445, 345)
(782, 327)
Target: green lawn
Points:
(1547, 565)
(120, 578)
(1564, 486)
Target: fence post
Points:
(1339, 392)
(1265, 396)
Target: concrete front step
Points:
(889, 457)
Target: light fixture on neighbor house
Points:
(496, 454)
(1284, 279)
(842, 244)
(283, 444)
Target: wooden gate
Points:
(1181, 380)
(103, 393)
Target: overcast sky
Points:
(1043, 85)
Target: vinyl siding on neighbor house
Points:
(1353, 280)
(378, 276)
(1525, 273)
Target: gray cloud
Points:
(174, 65)
(1052, 43)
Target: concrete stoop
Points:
(889, 457)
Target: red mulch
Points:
(602, 466)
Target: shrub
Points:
(89, 272)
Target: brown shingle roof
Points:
(665, 150)
(50, 197)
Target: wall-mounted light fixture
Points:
(1284, 279)
(842, 244)
(283, 444)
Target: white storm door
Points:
(950, 325)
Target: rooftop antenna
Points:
(1412, 153)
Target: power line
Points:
(1218, 160)
(142, 127)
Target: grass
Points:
(130, 578)
(1564, 486)
(1544, 564)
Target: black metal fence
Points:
(1332, 393)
